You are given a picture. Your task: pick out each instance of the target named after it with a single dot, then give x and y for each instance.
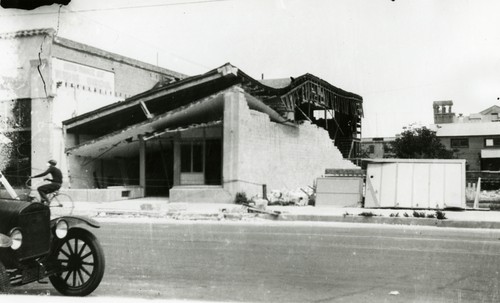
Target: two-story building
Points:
(475, 138)
(45, 79)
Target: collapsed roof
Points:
(187, 102)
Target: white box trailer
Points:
(415, 183)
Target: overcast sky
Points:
(400, 55)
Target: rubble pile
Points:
(297, 197)
(484, 195)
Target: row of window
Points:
(94, 89)
(464, 142)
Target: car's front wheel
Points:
(81, 259)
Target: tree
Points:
(420, 143)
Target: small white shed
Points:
(415, 183)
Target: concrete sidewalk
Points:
(161, 208)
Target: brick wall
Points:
(278, 155)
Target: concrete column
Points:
(142, 162)
(231, 138)
(177, 162)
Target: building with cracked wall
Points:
(208, 137)
(45, 79)
(121, 128)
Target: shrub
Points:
(440, 215)
(417, 214)
(240, 198)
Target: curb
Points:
(392, 221)
(180, 215)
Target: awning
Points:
(125, 142)
(202, 113)
(490, 153)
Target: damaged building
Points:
(208, 137)
(45, 79)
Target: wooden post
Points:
(478, 192)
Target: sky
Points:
(400, 55)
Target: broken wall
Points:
(258, 151)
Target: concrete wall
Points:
(16, 64)
(129, 80)
(258, 151)
(20, 78)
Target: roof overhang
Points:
(126, 141)
(207, 112)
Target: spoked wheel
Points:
(82, 261)
(62, 205)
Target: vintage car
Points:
(34, 247)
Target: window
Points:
(371, 148)
(191, 157)
(490, 142)
(460, 143)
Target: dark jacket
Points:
(55, 172)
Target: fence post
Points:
(478, 192)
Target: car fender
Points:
(75, 221)
(5, 241)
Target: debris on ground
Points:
(260, 210)
(298, 197)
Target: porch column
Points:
(177, 162)
(142, 163)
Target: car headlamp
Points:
(61, 229)
(17, 238)
(5, 241)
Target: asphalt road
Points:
(292, 262)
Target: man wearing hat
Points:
(55, 184)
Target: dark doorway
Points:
(213, 162)
(159, 168)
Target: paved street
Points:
(282, 262)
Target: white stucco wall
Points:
(258, 151)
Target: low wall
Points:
(114, 193)
(200, 194)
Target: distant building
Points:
(377, 147)
(475, 138)
(45, 79)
